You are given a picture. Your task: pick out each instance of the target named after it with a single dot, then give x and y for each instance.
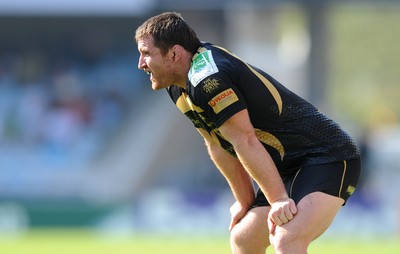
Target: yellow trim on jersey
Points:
(185, 104)
(294, 179)
(271, 140)
(344, 173)
(182, 104)
(214, 137)
(271, 88)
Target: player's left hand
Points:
(237, 213)
(282, 211)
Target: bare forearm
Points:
(238, 179)
(230, 167)
(261, 167)
(239, 131)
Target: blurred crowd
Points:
(60, 112)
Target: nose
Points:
(141, 63)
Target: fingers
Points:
(237, 213)
(271, 226)
(288, 213)
(281, 213)
(279, 220)
(281, 216)
(292, 207)
(289, 216)
(233, 223)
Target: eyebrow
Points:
(143, 49)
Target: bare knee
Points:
(285, 242)
(241, 238)
(250, 235)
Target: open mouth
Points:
(149, 73)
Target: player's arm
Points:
(237, 177)
(239, 131)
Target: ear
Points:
(176, 52)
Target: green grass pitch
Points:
(87, 242)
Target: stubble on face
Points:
(154, 63)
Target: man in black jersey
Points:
(255, 129)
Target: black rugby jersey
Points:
(291, 129)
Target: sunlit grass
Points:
(87, 242)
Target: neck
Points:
(184, 70)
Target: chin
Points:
(156, 87)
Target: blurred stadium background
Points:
(86, 144)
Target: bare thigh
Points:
(315, 213)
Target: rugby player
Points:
(256, 130)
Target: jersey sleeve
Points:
(176, 94)
(219, 97)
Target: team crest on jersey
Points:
(203, 65)
(210, 84)
(350, 189)
(223, 100)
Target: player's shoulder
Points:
(203, 65)
(209, 60)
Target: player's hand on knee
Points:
(282, 211)
(237, 213)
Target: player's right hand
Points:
(281, 212)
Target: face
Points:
(157, 65)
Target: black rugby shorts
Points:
(337, 179)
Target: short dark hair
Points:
(169, 29)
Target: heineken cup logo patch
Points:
(203, 66)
